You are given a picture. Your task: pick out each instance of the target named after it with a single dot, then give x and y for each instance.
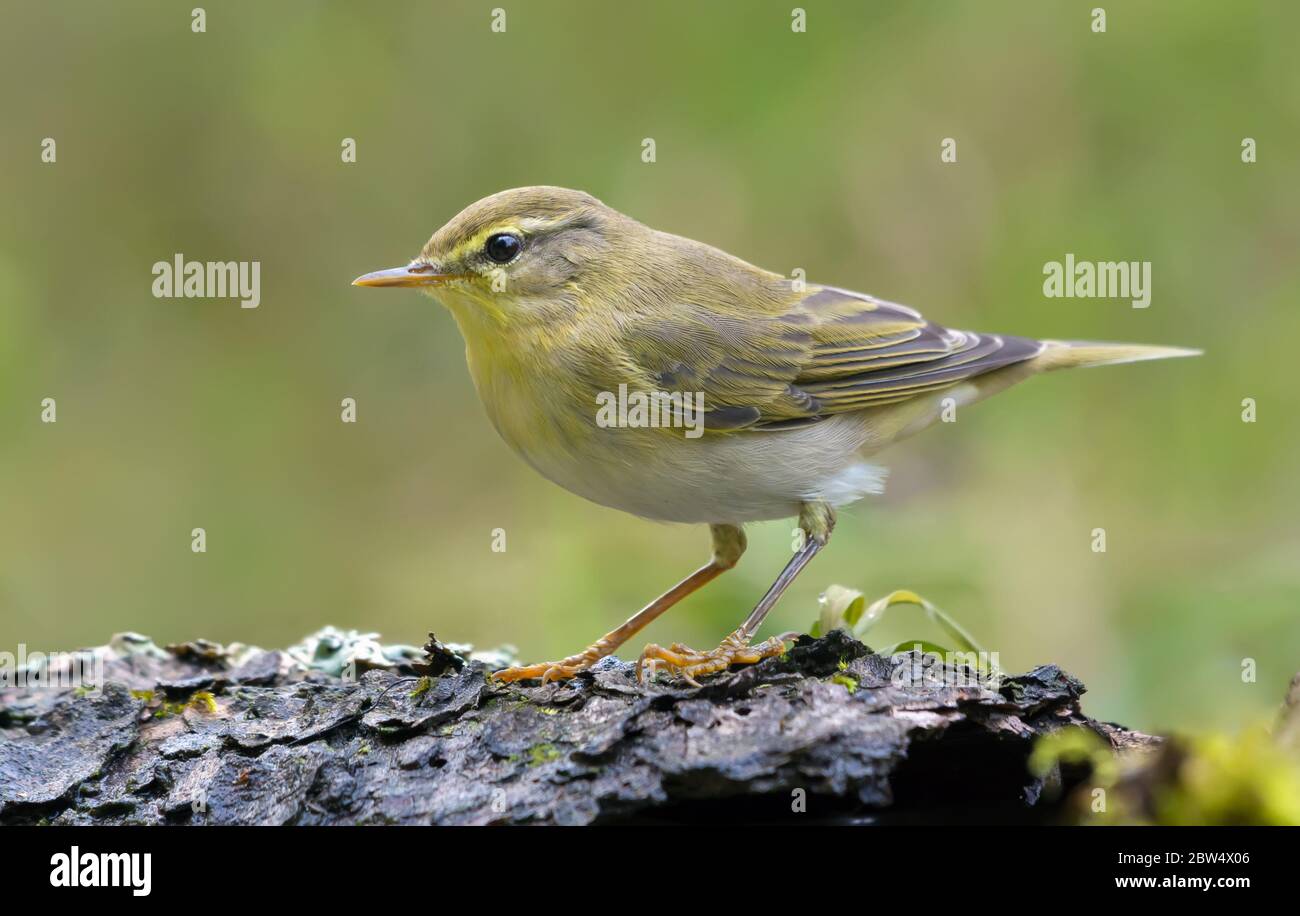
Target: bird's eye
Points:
(503, 247)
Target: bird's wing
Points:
(825, 352)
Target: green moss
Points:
(421, 687)
(848, 683)
(203, 701)
(542, 753)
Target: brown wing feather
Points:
(829, 352)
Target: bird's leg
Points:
(816, 520)
(728, 545)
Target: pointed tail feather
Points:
(1069, 354)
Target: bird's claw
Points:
(688, 664)
(547, 672)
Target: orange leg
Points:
(728, 545)
(817, 520)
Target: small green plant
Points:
(203, 701)
(846, 609)
(848, 683)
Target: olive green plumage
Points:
(800, 383)
(563, 301)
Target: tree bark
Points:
(829, 732)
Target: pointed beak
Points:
(411, 275)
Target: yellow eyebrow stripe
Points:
(475, 242)
(522, 228)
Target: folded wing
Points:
(826, 352)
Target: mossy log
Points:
(830, 732)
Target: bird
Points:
(776, 394)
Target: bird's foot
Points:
(546, 672)
(689, 664)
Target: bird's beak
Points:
(411, 275)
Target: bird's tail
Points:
(1069, 354)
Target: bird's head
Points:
(523, 253)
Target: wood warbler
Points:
(564, 302)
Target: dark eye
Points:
(503, 247)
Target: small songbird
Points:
(741, 395)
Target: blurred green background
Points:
(816, 150)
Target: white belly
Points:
(739, 477)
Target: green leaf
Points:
(908, 645)
(840, 609)
(965, 642)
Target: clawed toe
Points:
(688, 664)
(546, 672)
